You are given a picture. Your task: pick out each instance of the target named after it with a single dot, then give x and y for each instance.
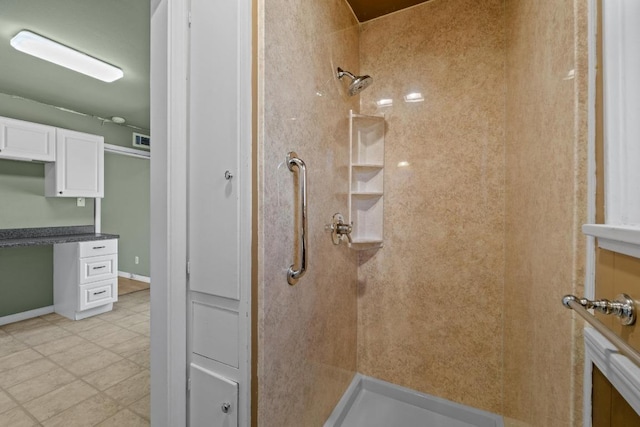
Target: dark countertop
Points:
(17, 237)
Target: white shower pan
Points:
(369, 402)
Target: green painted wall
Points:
(26, 274)
(25, 279)
(24, 205)
(125, 209)
(31, 111)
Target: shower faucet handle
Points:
(339, 229)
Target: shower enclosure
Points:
(484, 186)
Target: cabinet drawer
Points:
(98, 268)
(98, 247)
(98, 293)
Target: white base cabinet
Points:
(85, 278)
(20, 140)
(79, 167)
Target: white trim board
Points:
(12, 318)
(623, 374)
(624, 239)
(126, 151)
(134, 276)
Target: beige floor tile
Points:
(73, 354)
(87, 413)
(40, 385)
(142, 407)
(115, 314)
(83, 325)
(113, 374)
(128, 303)
(132, 320)
(6, 402)
(132, 346)
(110, 357)
(41, 335)
(116, 338)
(23, 325)
(97, 333)
(11, 345)
(92, 363)
(18, 358)
(55, 318)
(130, 390)
(142, 308)
(59, 400)
(26, 372)
(142, 329)
(16, 418)
(124, 418)
(141, 358)
(62, 344)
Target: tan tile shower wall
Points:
(430, 301)
(546, 147)
(306, 333)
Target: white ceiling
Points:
(116, 31)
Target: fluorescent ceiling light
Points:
(49, 50)
(385, 102)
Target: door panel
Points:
(213, 150)
(214, 399)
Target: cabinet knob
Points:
(228, 175)
(60, 192)
(226, 406)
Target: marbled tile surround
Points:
(430, 301)
(546, 150)
(306, 333)
(484, 220)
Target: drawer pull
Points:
(100, 292)
(99, 247)
(98, 268)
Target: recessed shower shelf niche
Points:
(366, 178)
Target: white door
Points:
(219, 210)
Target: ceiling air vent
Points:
(141, 141)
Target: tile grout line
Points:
(56, 322)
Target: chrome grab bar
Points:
(292, 160)
(575, 303)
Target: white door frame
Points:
(169, 38)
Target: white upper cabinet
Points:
(79, 167)
(20, 140)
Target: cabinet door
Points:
(214, 399)
(213, 149)
(79, 167)
(22, 140)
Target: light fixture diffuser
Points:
(49, 50)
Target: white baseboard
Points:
(12, 318)
(134, 276)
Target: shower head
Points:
(358, 83)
